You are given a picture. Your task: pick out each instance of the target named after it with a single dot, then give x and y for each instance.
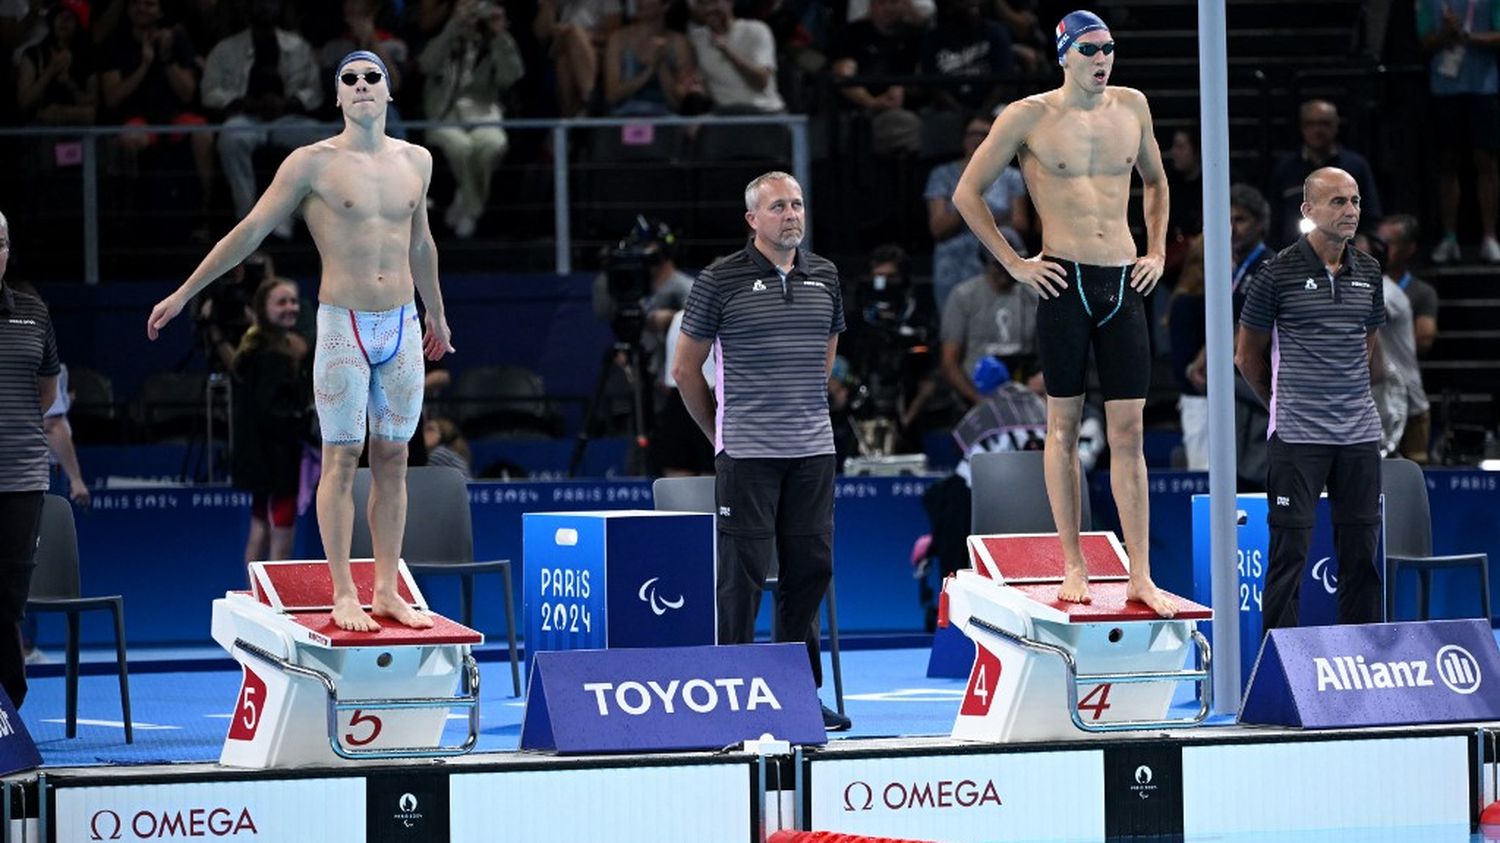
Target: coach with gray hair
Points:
(28, 385)
(774, 311)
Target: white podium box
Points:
(312, 693)
(1049, 670)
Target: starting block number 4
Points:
(984, 679)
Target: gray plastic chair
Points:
(1010, 494)
(55, 588)
(1408, 539)
(696, 494)
(439, 540)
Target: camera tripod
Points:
(635, 371)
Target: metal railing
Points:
(561, 131)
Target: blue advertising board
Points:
(678, 698)
(1388, 674)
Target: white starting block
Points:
(315, 694)
(1049, 670)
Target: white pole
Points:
(1213, 96)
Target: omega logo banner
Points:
(961, 798)
(330, 810)
(670, 698)
(1376, 675)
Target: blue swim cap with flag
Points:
(1073, 25)
(361, 55)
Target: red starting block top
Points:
(1037, 557)
(307, 585)
(391, 633)
(1109, 604)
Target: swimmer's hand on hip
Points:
(1047, 278)
(1146, 272)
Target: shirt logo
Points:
(759, 285)
(1359, 284)
(812, 283)
(14, 321)
(1310, 285)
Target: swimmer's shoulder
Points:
(416, 153)
(1131, 98)
(1026, 114)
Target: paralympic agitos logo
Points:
(182, 824)
(902, 796)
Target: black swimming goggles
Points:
(1088, 48)
(373, 77)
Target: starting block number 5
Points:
(248, 708)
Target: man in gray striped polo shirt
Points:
(28, 385)
(1310, 320)
(772, 313)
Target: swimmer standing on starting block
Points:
(364, 196)
(1077, 146)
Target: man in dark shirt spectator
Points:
(881, 45)
(1401, 234)
(965, 43)
(150, 77)
(1319, 121)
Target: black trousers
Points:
(774, 510)
(20, 519)
(1295, 477)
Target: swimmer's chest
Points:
(1105, 142)
(364, 187)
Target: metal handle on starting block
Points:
(1203, 677)
(469, 700)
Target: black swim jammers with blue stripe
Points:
(1099, 309)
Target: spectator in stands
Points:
(989, 315)
(882, 44)
(227, 311)
(737, 57)
(1465, 111)
(916, 13)
(575, 32)
(1027, 41)
(1400, 234)
(1319, 122)
(55, 80)
(955, 251)
(1186, 324)
(266, 78)
(1185, 180)
(966, 43)
(150, 77)
(273, 375)
(362, 33)
(649, 69)
(28, 384)
(446, 445)
(469, 66)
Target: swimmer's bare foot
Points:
(1146, 592)
(393, 607)
(348, 614)
(1075, 585)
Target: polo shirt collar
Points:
(799, 262)
(1310, 256)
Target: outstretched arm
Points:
(424, 267)
(1148, 270)
(290, 186)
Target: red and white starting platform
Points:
(313, 693)
(1045, 669)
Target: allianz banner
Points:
(1376, 675)
(670, 698)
